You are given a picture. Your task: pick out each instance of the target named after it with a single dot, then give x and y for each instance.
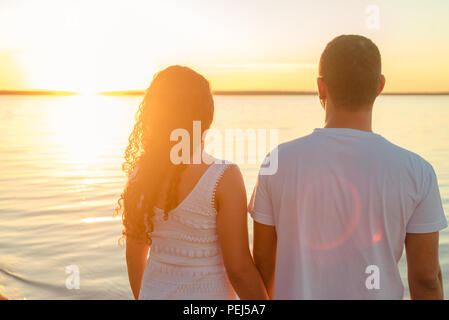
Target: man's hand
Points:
(264, 251)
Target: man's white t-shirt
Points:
(342, 201)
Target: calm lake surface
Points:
(60, 177)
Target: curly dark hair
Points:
(176, 97)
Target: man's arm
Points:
(264, 251)
(424, 273)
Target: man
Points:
(332, 222)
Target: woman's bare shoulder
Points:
(231, 185)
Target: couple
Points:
(330, 223)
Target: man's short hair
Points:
(350, 66)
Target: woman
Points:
(192, 216)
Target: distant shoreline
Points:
(272, 93)
(217, 93)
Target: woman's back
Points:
(191, 248)
(185, 260)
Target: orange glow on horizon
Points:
(91, 47)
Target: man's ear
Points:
(322, 91)
(321, 88)
(381, 84)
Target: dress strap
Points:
(221, 170)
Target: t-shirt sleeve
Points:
(429, 214)
(260, 206)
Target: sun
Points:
(64, 70)
(82, 71)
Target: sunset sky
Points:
(91, 46)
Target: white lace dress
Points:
(185, 260)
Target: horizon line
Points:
(214, 92)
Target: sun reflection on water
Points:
(98, 219)
(81, 128)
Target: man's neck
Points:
(359, 120)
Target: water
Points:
(60, 178)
